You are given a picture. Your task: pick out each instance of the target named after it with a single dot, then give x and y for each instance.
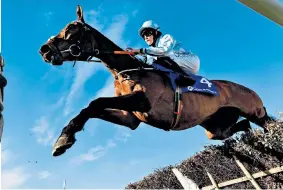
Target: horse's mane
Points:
(114, 61)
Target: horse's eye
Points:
(70, 27)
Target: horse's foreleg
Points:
(120, 117)
(100, 108)
(103, 108)
(115, 116)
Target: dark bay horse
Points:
(147, 95)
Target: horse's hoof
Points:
(63, 143)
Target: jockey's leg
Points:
(190, 64)
(170, 64)
(184, 78)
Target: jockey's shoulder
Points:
(167, 37)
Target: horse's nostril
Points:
(45, 49)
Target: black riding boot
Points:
(184, 80)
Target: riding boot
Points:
(184, 80)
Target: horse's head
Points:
(74, 42)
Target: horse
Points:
(147, 94)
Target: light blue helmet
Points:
(149, 24)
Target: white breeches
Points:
(189, 64)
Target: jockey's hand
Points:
(134, 51)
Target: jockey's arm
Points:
(148, 59)
(167, 43)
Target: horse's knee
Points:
(210, 135)
(133, 123)
(134, 126)
(214, 136)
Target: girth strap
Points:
(177, 107)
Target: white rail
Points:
(271, 9)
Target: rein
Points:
(76, 51)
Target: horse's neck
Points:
(112, 61)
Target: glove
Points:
(135, 51)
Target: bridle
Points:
(76, 50)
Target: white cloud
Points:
(14, 178)
(134, 13)
(48, 15)
(91, 17)
(92, 154)
(42, 131)
(123, 136)
(114, 32)
(107, 90)
(97, 152)
(111, 144)
(92, 129)
(83, 73)
(6, 156)
(57, 105)
(43, 174)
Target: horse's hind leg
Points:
(257, 118)
(243, 125)
(223, 124)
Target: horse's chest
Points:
(125, 86)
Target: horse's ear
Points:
(80, 14)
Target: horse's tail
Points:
(263, 121)
(269, 117)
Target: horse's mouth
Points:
(54, 59)
(50, 56)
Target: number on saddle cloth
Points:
(201, 85)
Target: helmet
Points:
(148, 25)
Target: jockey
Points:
(162, 46)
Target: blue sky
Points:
(233, 43)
